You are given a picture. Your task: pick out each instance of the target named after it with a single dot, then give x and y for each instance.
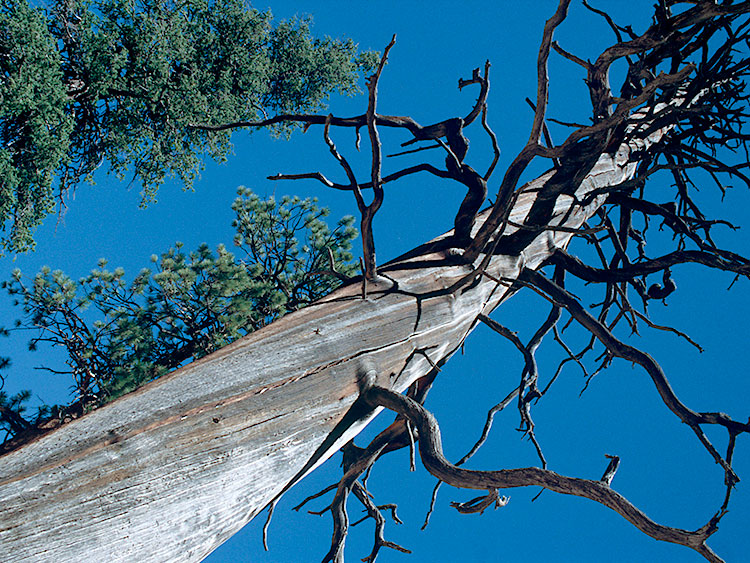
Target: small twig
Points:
(495, 146)
(412, 151)
(615, 28)
(665, 328)
(609, 473)
(412, 450)
(392, 507)
(328, 489)
(271, 506)
(545, 131)
(482, 503)
(576, 60)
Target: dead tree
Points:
(206, 448)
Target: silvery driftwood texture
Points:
(172, 470)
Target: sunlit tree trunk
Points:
(172, 470)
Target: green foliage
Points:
(13, 418)
(119, 334)
(120, 81)
(34, 121)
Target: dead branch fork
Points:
(431, 452)
(677, 107)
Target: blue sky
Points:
(664, 470)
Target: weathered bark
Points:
(172, 470)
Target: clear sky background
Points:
(664, 470)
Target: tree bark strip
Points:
(172, 470)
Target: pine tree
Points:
(88, 82)
(119, 334)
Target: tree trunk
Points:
(172, 470)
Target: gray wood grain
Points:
(172, 470)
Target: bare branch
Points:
(431, 451)
(480, 504)
(730, 263)
(571, 57)
(501, 208)
(693, 419)
(495, 146)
